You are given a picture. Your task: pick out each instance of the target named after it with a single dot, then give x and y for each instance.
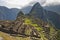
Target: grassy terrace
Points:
(30, 22)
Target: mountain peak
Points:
(38, 4)
(37, 10)
(36, 7)
(20, 14)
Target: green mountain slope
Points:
(27, 27)
(39, 12)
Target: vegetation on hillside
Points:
(27, 27)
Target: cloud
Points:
(17, 3)
(14, 3)
(23, 3)
(51, 2)
(40, 1)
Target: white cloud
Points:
(17, 3)
(51, 2)
(14, 3)
(22, 3)
(40, 1)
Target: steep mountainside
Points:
(8, 14)
(55, 8)
(27, 27)
(54, 18)
(34, 26)
(38, 12)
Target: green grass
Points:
(30, 22)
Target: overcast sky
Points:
(22, 3)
